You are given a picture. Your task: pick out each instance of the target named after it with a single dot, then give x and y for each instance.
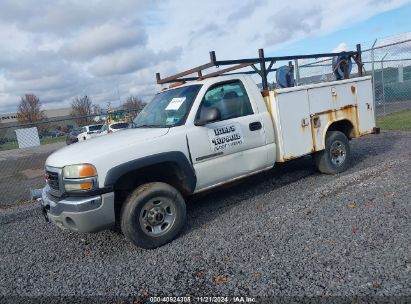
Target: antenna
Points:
(118, 95)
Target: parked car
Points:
(72, 136)
(58, 133)
(88, 132)
(114, 127)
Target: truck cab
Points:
(239, 132)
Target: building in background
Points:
(54, 113)
(59, 119)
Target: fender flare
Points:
(177, 157)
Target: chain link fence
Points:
(389, 63)
(24, 148)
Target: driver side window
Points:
(230, 98)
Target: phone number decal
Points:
(225, 137)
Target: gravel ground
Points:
(290, 231)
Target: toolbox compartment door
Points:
(295, 124)
(366, 120)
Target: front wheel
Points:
(335, 158)
(153, 215)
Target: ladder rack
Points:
(263, 70)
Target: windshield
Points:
(95, 127)
(168, 109)
(121, 125)
(118, 115)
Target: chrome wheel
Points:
(157, 216)
(338, 153)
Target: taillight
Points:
(110, 131)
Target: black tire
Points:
(331, 159)
(145, 207)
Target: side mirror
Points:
(208, 115)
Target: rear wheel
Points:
(335, 157)
(153, 215)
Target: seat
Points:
(231, 105)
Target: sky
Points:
(109, 50)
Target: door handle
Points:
(254, 126)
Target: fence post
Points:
(382, 81)
(373, 80)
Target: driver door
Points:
(232, 146)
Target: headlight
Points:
(82, 177)
(79, 186)
(79, 171)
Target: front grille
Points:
(53, 180)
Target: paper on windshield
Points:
(175, 103)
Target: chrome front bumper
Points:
(80, 214)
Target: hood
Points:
(88, 151)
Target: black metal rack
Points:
(263, 71)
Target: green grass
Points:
(52, 140)
(43, 141)
(9, 146)
(396, 121)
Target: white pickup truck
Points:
(196, 136)
(88, 132)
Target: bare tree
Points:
(82, 108)
(134, 105)
(97, 110)
(29, 110)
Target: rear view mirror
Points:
(208, 115)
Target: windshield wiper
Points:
(145, 126)
(153, 126)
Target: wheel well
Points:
(345, 126)
(167, 172)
